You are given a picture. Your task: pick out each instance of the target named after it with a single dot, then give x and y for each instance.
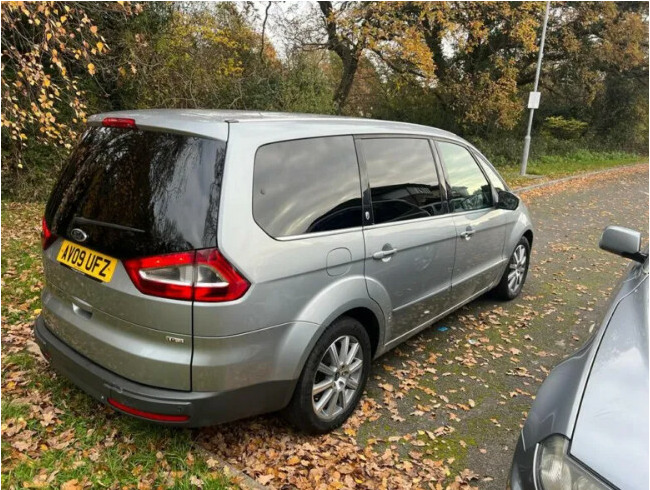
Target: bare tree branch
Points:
(266, 17)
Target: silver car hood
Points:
(611, 431)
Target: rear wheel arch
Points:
(363, 310)
(370, 322)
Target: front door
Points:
(480, 226)
(410, 240)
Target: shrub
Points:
(563, 128)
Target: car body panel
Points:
(266, 355)
(611, 433)
(560, 401)
(413, 285)
(479, 258)
(517, 225)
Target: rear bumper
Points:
(199, 408)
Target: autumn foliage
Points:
(463, 66)
(44, 47)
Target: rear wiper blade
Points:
(87, 221)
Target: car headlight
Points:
(556, 470)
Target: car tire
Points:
(330, 387)
(514, 276)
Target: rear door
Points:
(410, 237)
(129, 193)
(480, 226)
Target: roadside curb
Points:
(519, 190)
(242, 480)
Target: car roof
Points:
(214, 123)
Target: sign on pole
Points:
(533, 100)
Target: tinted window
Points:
(307, 186)
(403, 179)
(469, 188)
(494, 178)
(138, 193)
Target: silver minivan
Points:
(205, 266)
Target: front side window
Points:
(470, 190)
(495, 179)
(403, 179)
(307, 186)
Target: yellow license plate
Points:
(88, 261)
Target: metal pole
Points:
(524, 158)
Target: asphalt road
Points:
(567, 292)
(470, 379)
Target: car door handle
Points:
(467, 234)
(382, 254)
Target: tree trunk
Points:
(346, 51)
(345, 84)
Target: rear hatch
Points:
(129, 193)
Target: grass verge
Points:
(555, 166)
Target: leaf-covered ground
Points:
(443, 409)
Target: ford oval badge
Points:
(78, 235)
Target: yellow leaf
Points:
(100, 46)
(350, 431)
(71, 485)
(63, 19)
(91, 68)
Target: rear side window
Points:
(470, 190)
(138, 193)
(307, 186)
(403, 179)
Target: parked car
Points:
(588, 427)
(204, 266)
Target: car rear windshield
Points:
(138, 193)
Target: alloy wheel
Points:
(517, 269)
(337, 377)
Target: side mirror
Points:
(623, 242)
(507, 200)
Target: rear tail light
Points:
(216, 279)
(202, 275)
(119, 122)
(47, 237)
